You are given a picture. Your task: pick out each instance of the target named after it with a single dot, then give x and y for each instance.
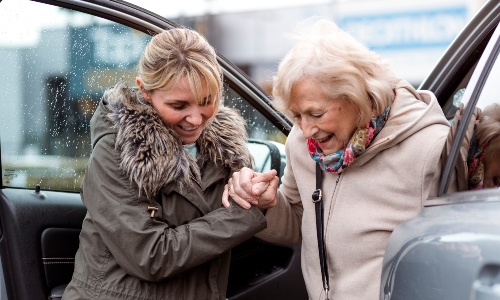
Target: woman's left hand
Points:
(247, 188)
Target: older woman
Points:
(377, 142)
(162, 153)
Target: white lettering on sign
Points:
(407, 30)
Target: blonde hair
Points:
(177, 53)
(345, 68)
(488, 130)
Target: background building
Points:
(411, 35)
(45, 63)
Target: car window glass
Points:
(258, 126)
(488, 128)
(478, 165)
(54, 71)
(453, 103)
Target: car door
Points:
(451, 249)
(56, 58)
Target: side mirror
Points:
(267, 155)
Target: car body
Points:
(451, 249)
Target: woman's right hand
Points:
(247, 188)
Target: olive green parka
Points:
(139, 165)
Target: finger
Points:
(241, 195)
(239, 200)
(225, 197)
(245, 180)
(264, 177)
(237, 180)
(268, 198)
(261, 181)
(260, 187)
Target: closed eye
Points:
(178, 106)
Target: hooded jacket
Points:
(137, 163)
(382, 188)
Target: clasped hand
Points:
(248, 188)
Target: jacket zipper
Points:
(331, 204)
(328, 221)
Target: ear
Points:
(145, 94)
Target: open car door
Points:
(51, 80)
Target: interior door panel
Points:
(59, 246)
(24, 216)
(40, 239)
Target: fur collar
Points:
(152, 155)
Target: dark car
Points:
(451, 249)
(52, 75)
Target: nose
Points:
(308, 127)
(195, 116)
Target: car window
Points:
(478, 163)
(54, 71)
(491, 91)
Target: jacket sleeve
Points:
(433, 163)
(147, 248)
(285, 219)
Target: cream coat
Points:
(382, 188)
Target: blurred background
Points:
(412, 35)
(55, 63)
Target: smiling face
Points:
(179, 109)
(330, 122)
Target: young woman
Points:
(162, 153)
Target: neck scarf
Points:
(360, 141)
(476, 166)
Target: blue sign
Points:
(410, 29)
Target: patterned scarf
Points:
(476, 165)
(360, 141)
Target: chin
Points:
(188, 141)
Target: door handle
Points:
(487, 284)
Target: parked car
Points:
(51, 79)
(451, 249)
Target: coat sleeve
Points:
(146, 248)
(433, 162)
(285, 219)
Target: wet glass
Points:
(478, 164)
(54, 72)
